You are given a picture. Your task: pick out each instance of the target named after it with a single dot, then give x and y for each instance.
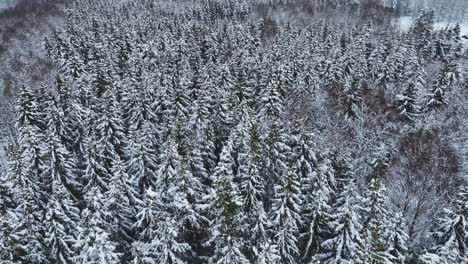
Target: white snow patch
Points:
(7, 3)
(405, 23)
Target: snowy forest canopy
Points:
(233, 131)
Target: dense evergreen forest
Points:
(234, 132)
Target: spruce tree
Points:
(121, 202)
(95, 175)
(376, 223)
(318, 188)
(166, 247)
(248, 147)
(285, 214)
(275, 157)
(316, 230)
(259, 246)
(347, 244)
(271, 105)
(351, 98)
(59, 166)
(94, 242)
(160, 238)
(227, 219)
(180, 202)
(61, 219)
(28, 157)
(397, 237)
(450, 234)
(25, 168)
(109, 131)
(437, 98)
(8, 219)
(422, 29)
(142, 158)
(407, 100)
(263, 247)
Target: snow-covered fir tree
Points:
(376, 223)
(285, 215)
(121, 202)
(450, 233)
(62, 216)
(94, 244)
(347, 243)
(226, 214)
(397, 237)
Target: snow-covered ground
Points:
(405, 23)
(7, 3)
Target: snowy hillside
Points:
(7, 3)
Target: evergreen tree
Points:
(147, 218)
(352, 98)
(148, 130)
(407, 100)
(342, 169)
(222, 105)
(137, 104)
(202, 156)
(318, 188)
(28, 160)
(142, 157)
(271, 106)
(316, 211)
(333, 76)
(375, 63)
(275, 157)
(379, 164)
(28, 113)
(95, 175)
(285, 212)
(438, 95)
(175, 102)
(166, 247)
(241, 86)
(430, 258)
(109, 131)
(71, 130)
(252, 185)
(259, 246)
(397, 236)
(159, 233)
(347, 244)
(59, 167)
(422, 29)
(120, 202)
(264, 249)
(61, 219)
(227, 219)
(94, 243)
(25, 168)
(8, 218)
(450, 235)
(180, 201)
(376, 223)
